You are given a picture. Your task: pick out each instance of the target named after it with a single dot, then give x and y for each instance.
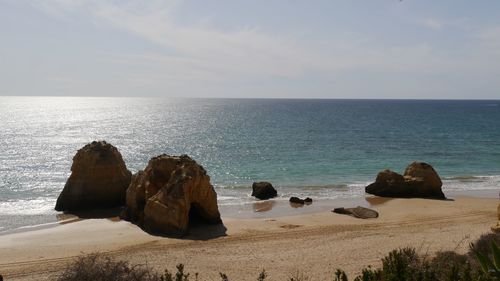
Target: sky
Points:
(388, 49)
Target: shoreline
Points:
(282, 207)
(272, 208)
(315, 242)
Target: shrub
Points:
(298, 276)
(406, 265)
(99, 267)
(340, 275)
(262, 275)
(490, 267)
(223, 276)
(179, 276)
(483, 243)
(449, 265)
(399, 265)
(102, 268)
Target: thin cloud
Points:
(432, 23)
(240, 52)
(247, 51)
(251, 52)
(199, 57)
(491, 37)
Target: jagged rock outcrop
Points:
(425, 178)
(358, 212)
(99, 179)
(170, 192)
(419, 180)
(263, 190)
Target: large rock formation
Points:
(170, 192)
(419, 180)
(99, 179)
(263, 190)
(425, 177)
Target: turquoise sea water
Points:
(317, 148)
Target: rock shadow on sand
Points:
(204, 232)
(112, 214)
(198, 229)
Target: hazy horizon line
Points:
(261, 98)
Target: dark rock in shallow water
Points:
(297, 200)
(358, 212)
(263, 190)
(99, 179)
(419, 180)
(169, 194)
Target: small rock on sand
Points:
(358, 212)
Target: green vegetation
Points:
(489, 267)
(481, 263)
(406, 265)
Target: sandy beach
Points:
(313, 243)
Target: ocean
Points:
(324, 149)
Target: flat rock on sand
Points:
(358, 212)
